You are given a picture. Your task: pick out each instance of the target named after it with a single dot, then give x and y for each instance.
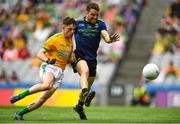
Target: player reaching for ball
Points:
(55, 54)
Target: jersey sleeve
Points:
(103, 26)
(49, 45)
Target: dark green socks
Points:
(23, 111)
(23, 94)
(85, 92)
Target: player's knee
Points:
(85, 73)
(47, 86)
(47, 79)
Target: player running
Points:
(90, 29)
(55, 54)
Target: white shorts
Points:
(56, 71)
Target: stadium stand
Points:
(128, 74)
(165, 53)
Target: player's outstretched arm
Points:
(108, 38)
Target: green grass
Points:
(110, 114)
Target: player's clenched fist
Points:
(51, 61)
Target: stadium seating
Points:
(38, 26)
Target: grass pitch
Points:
(109, 114)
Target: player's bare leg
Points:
(47, 84)
(83, 71)
(43, 98)
(36, 104)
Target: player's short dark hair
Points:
(69, 21)
(92, 6)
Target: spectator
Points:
(1, 47)
(140, 96)
(3, 76)
(11, 53)
(118, 48)
(176, 45)
(23, 53)
(175, 8)
(158, 48)
(168, 41)
(23, 16)
(170, 73)
(14, 77)
(19, 41)
(130, 17)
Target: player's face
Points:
(92, 16)
(69, 30)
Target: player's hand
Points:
(51, 61)
(114, 38)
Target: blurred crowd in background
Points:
(23, 23)
(166, 50)
(166, 54)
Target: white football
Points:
(150, 71)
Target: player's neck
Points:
(86, 19)
(66, 37)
